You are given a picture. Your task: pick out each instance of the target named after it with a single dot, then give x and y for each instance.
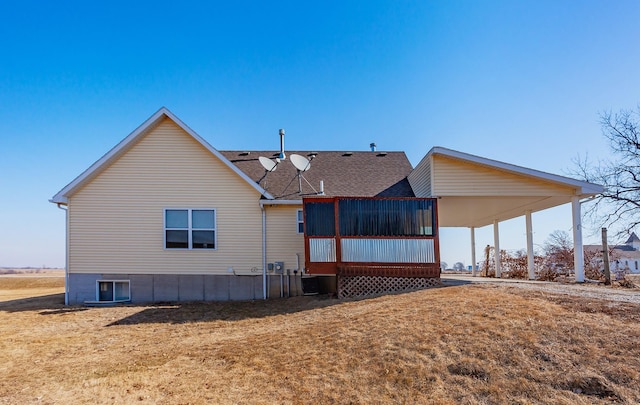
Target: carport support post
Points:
(496, 251)
(473, 251)
(578, 253)
(532, 272)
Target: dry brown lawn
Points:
(17, 287)
(471, 344)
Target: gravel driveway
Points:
(593, 291)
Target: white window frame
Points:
(190, 228)
(299, 213)
(127, 282)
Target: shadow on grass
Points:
(189, 312)
(41, 303)
(180, 312)
(453, 282)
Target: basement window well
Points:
(114, 290)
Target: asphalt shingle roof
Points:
(355, 174)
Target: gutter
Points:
(264, 251)
(264, 203)
(66, 252)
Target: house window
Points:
(190, 228)
(300, 220)
(114, 290)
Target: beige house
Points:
(164, 216)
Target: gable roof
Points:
(62, 197)
(583, 187)
(356, 174)
(632, 238)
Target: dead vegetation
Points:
(16, 287)
(471, 344)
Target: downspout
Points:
(66, 253)
(264, 252)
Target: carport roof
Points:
(474, 191)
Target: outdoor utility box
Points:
(276, 267)
(310, 286)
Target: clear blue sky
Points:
(517, 81)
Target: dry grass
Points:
(16, 287)
(482, 344)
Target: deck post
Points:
(496, 252)
(578, 253)
(530, 262)
(473, 251)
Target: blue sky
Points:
(517, 81)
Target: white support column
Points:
(496, 243)
(532, 271)
(578, 253)
(473, 251)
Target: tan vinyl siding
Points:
(452, 177)
(283, 239)
(116, 221)
(420, 178)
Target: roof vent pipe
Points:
(372, 145)
(282, 155)
(321, 187)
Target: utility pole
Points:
(605, 257)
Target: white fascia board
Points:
(280, 202)
(122, 146)
(583, 188)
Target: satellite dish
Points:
(268, 164)
(300, 162)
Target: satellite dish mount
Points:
(269, 166)
(301, 164)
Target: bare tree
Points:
(620, 202)
(558, 250)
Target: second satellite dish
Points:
(268, 164)
(300, 162)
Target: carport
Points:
(473, 192)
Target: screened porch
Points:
(357, 236)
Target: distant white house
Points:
(622, 258)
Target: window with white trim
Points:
(189, 228)
(113, 290)
(300, 220)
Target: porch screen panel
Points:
(388, 250)
(322, 250)
(369, 217)
(319, 219)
